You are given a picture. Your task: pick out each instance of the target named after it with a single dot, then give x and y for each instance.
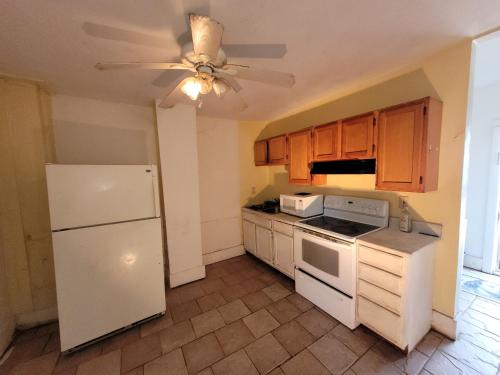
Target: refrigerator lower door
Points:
(107, 277)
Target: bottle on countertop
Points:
(405, 219)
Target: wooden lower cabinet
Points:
(358, 137)
(269, 240)
(249, 240)
(394, 293)
(408, 147)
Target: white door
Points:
(283, 250)
(83, 195)
(249, 237)
(107, 277)
(264, 244)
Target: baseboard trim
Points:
(473, 262)
(186, 276)
(36, 318)
(444, 324)
(223, 254)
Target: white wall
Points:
(219, 170)
(88, 131)
(181, 194)
(485, 110)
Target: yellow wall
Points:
(25, 145)
(444, 76)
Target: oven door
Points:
(327, 259)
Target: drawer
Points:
(380, 296)
(382, 321)
(380, 259)
(287, 229)
(257, 219)
(385, 280)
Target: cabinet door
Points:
(358, 137)
(300, 156)
(249, 237)
(260, 152)
(283, 250)
(400, 147)
(277, 150)
(326, 142)
(264, 244)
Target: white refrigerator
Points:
(108, 252)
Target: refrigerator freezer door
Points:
(85, 195)
(107, 277)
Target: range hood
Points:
(354, 166)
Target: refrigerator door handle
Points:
(156, 190)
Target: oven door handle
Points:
(324, 236)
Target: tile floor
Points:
(244, 318)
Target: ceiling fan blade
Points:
(260, 75)
(206, 34)
(268, 51)
(144, 65)
(123, 35)
(228, 79)
(168, 101)
(190, 7)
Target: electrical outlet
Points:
(403, 201)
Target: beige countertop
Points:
(285, 218)
(392, 238)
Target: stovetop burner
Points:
(340, 226)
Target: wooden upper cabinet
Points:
(299, 157)
(277, 147)
(326, 142)
(260, 152)
(358, 137)
(408, 146)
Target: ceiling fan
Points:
(205, 67)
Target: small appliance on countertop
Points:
(302, 204)
(269, 207)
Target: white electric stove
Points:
(325, 252)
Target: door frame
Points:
(491, 230)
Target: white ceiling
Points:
(331, 43)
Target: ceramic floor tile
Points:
(266, 353)
(429, 343)
(471, 355)
(256, 301)
(43, 365)
(233, 311)
(413, 363)
(27, 349)
(373, 363)
(119, 340)
(300, 302)
(444, 364)
(253, 285)
(234, 337)
(277, 371)
(47, 329)
(202, 353)
(168, 364)
(484, 321)
(231, 293)
(304, 364)
(276, 291)
(185, 311)
(334, 355)
(293, 337)
(54, 343)
(236, 364)
(136, 371)
(316, 322)
(479, 337)
(140, 352)
(212, 285)
(107, 364)
(260, 323)
(71, 360)
(207, 322)
(207, 371)
(359, 340)
(211, 301)
(486, 307)
(283, 310)
(175, 336)
(156, 325)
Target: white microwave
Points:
(302, 204)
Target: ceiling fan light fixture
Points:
(220, 87)
(191, 88)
